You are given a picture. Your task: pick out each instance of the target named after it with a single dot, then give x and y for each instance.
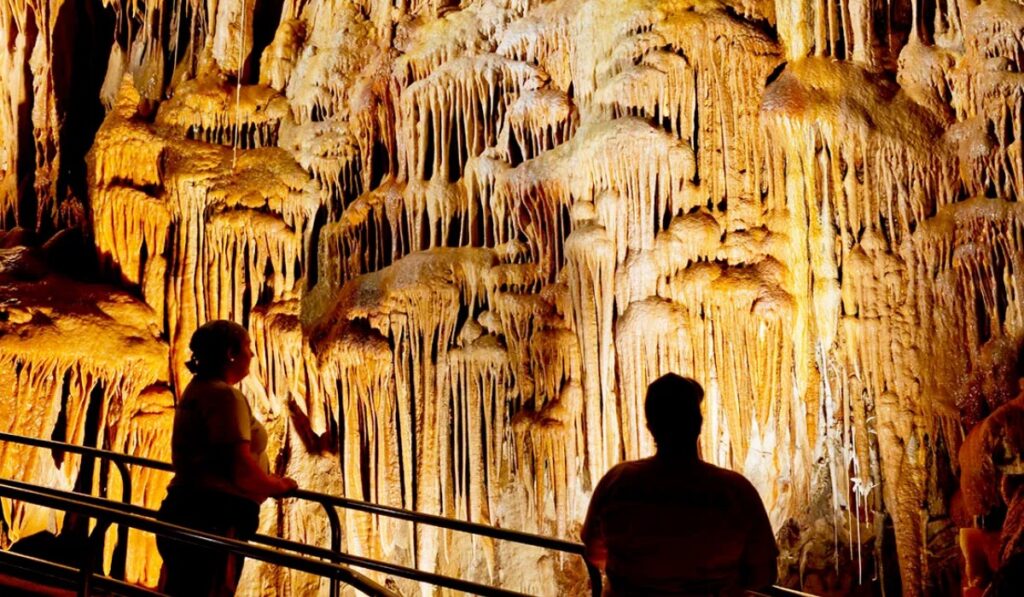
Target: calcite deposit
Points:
(465, 236)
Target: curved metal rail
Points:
(329, 503)
(105, 515)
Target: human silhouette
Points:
(221, 472)
(673, 524)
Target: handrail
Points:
(329, 502)
(39, 567)
(70, 502)
(443, 522)
(354, 504)
(89, 451)
(120, 462)
(279, 543)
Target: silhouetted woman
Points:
(221, 472)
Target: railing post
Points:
(335, 523)
(93, 553)
(596, 587)
(119, 561)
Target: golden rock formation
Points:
(466, 235)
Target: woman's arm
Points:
(251, 479)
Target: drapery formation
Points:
(465, 236)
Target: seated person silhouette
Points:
(673, 524)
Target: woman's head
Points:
(220, 350)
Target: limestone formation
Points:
(466, 235)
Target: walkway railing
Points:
(329, 504)
(119, 514)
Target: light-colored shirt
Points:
(209, 419)
(675, 527)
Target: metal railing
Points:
(105, 515)
(40, 571)
(329, 503)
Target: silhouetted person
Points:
(673, 524)
(221, 472)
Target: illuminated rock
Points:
(79, 363)
(465, 236)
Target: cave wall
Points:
(466, 235)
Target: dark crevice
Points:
(81, 48)
(26, 164)
(265, 19)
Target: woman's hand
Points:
(253, 480)
(288, 485)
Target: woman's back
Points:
(210, 419)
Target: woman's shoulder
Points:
(204, 390)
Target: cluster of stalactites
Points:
(882, 175)
(864, 32)
(130, 224)
(653, 187)
(988, 94)
(211, 110)
(97, 353)
(455, 114)
(199, 246)
(342, 125)
(964, 266)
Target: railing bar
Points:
(119, 567)
(787, 591)
(329, 500)
(273, 556)
(403, 571)
(441, 521)
(276, 542)
(10, 560)
(401, 513)
(187, 535)
(77, 449)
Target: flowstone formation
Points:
(465, 236)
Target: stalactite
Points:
(590, 269)
(489, 218)
(143, 427)
(478, 397)
(539, 191)
(232, 39)
(865, 32)
(899, 158)
(131, 230)
(14, 41)
(543, 455)
(211, 110)
(964, 279)
(540, 120)
(436, 42)
(541, 37)
(688, 239)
